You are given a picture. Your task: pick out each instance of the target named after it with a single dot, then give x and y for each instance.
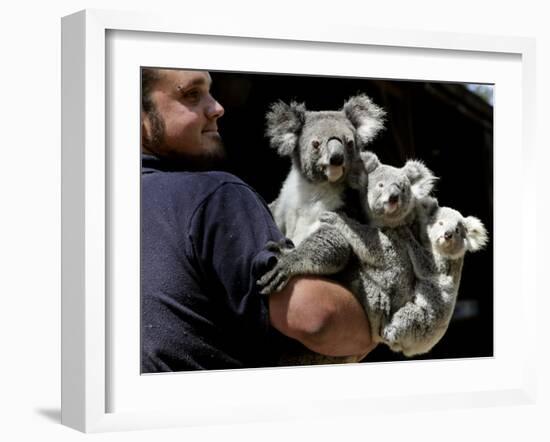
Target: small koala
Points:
(389, 195)
(371, 259)
(437, 261)
(323, 147)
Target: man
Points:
(202, 250)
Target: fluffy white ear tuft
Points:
(284, 123)
(476, 234)
(367, 117)
(422, 179)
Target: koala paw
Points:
(280, 247)
(275, 279)
(391, 335)
(403, 232)
(384, 304)
(328, 218)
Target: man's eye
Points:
(192, 95)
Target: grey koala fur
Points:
(438, 261)
(372, 260)
(323, 147)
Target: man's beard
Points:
(214, 158)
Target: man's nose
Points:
(214, 109)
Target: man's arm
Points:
(322, 315)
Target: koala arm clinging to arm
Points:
(325, 252)
(356, 234)
(321, 314)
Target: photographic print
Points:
(209, 263)
(265, 196)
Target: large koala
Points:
(323, 147)
(372, 260)
(438, 260)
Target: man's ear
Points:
(284, 124)
(145, 129)
(476, 234)
(422, 179)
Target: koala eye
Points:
(315, 144)
(380, 185)
(440, 223)
(457, 230)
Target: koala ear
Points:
(428, 206)
(476, 234)
(369, 160)
(365, 116)
(422, 179)
(284, 123)
(426, 214)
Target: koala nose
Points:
(448, 234)
(393, 198)
(335, 152)
(336, 159)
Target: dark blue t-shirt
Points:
(202, 249)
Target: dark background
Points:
(445, 125)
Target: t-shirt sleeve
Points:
(228, 234)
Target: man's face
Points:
(183, 122)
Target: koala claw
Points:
(390, 335)
(384, 304)
(328, 218)
(273, 247)
(274, 280)
(279, 247)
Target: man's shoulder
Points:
(192, 189)
(190, 181)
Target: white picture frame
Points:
(91, 364)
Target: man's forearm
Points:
(322, 315)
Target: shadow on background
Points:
(51, 414)
(446, 125)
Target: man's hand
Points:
(322, 315)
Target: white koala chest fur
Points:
(300, 204)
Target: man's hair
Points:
(149, 77)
